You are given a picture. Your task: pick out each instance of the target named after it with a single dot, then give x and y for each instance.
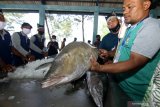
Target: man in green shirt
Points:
(138, 52)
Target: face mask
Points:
(2, 25)
(26, 31)
(53, 40)
(115, 29)
(41, 32)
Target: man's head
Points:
(64, 39)
(75, 39)
(2, 21)
(26, 28)
(89, 41)
(53, 37)
(135, 10)
(98, 37)
(40, 29)
(113, 24)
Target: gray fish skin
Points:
(95, 87)
(70, 64)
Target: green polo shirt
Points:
(135, 83)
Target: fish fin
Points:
(52, 81)
(48, 64)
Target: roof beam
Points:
(88, 1)
(71, 1)
(59, 8)
(89, 9)
(19, 7)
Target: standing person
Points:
(22, 44)
(63, 44)
(110, 41)
(98, 41)
(138, 52)
(53, 46)
(75, 39)
(5, 50)
(38, 41)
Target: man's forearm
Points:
(135, 62)
(35, 48)
(116, 67)
(16, 52)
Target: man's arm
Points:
(33, 46)
(136, 61)
(17, 44)
(17, 53)
(107, 54)
(5, 67)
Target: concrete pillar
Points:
(41, 15)
(95, 27)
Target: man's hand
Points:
(45, 54)
(95, 66)
(30, 58)
(8, 68)
(103, 53)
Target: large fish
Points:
(70, 64)
(95, 87)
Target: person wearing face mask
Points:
(5, 51)
(38, 41)
(63, 44)
(23, 45)
(110, 41)
(53, 46)
(98, 41)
